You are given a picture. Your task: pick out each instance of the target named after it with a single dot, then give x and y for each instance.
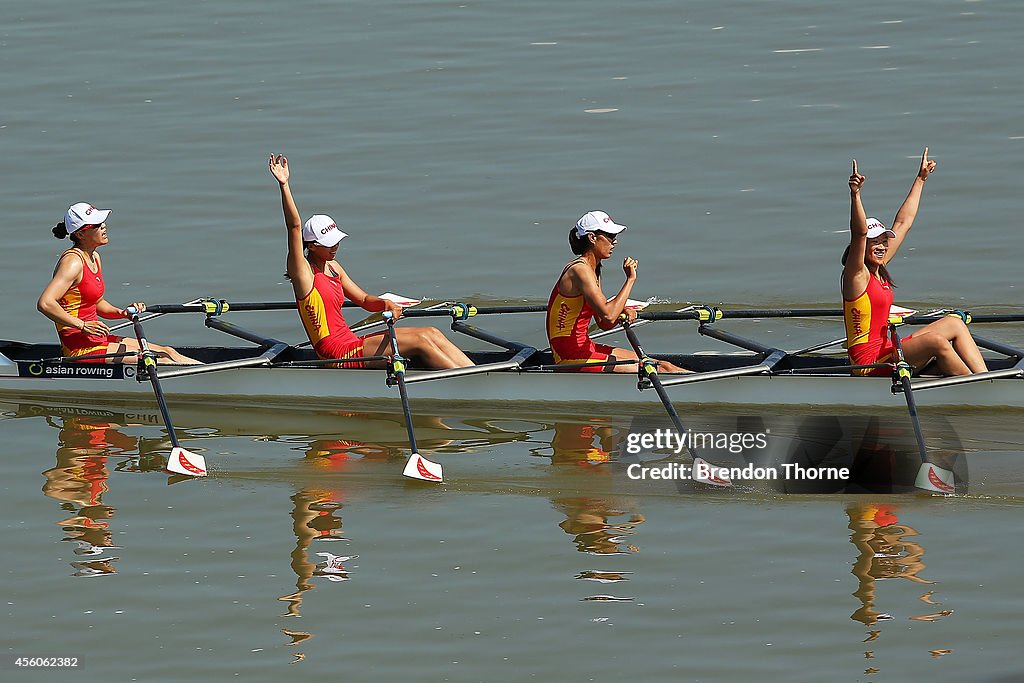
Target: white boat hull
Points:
(587, 391)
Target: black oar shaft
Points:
(397, 367)
(149, 361)
(701, 313)
(903, 372)
(651, 374)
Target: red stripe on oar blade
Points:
(420, 468)
(933, 478)
(187, 463)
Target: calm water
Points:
(457, 143)
(534, 561)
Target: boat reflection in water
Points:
(324, 460)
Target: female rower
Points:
(321, 286)
(577, 298)
(74, 298)
(867, 293)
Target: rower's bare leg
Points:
(964, 343)
(428, 343)
(166, 352)
(923, 348)
(626, 354)
(951, 344)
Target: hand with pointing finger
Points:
(856, 179)
(927, 166)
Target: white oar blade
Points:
(420, 468)
(186, 462)
(705, 473)
(933, 478)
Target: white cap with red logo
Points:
(597, 221)
(876, 228)
(322, 230)
(82, 214)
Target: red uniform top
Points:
(567, 323)
(81, 299)
(867, 326)
(320, 311)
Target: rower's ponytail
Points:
(578, 245)
(60, 231)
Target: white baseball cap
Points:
(597, 221)
(876, 228)
(82, 214)
(322, 230)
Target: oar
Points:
(154, 315)
(714, 314)
(930, 476)
(638, 323)
(181, 461)
(220, 306)
(417, 467)
(702, 470)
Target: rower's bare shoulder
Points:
(337, 268)
(581, 273)
(70, 263)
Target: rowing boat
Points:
(276, 372)
(229, 375)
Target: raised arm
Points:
(855, 273)
(606, 311)
(908, 211)
(298, 268)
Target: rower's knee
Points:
(952, 327)
(935, 344)
(163, 351)
(433, 336)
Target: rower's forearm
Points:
(908, 211)
(104, 309)
(858, 217)
(292, 220)
(617, 304)
(53, 311)
(373, 304)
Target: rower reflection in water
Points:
(313, 521)
(886, 549)
(587, 449)
(577, 298)
(867, 293)
(321, 286)
(79, 480)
